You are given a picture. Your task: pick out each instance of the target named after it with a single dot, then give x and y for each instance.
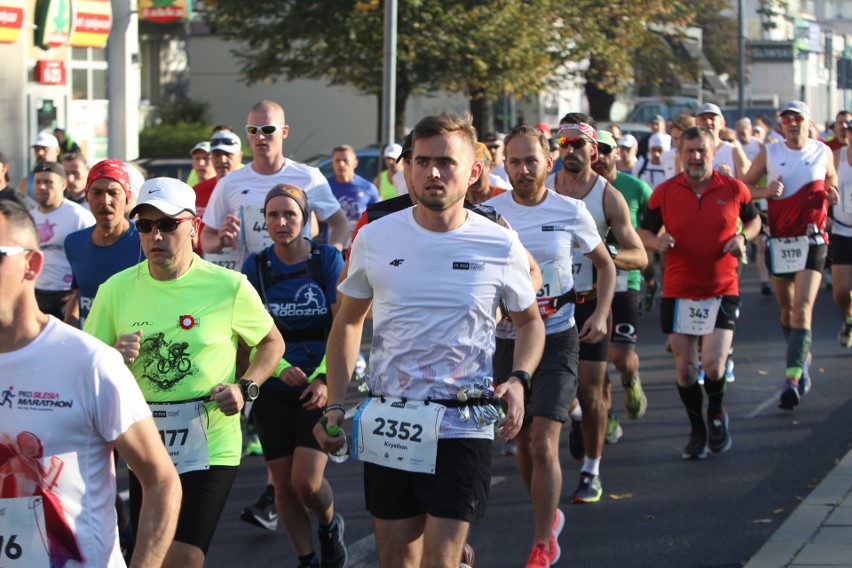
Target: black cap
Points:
(53, 167)
(407, 146)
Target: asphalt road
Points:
(658, 510)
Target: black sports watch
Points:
(613, 252)
(250, 389)
(525, 379)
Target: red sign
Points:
(11, 21)
(92, 23)
(50, 72)
(164, 11)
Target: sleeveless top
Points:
(803, 206)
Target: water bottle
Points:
(342, 454)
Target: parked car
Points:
(369, 159)
(639, 130)
(179, 168)
(669, 108)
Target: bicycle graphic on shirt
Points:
(170, 359)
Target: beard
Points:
(573, 165)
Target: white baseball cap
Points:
(169, 195)
(226, 141)
(627, 141)
(393, 151)
(45, 140)
(136, 179)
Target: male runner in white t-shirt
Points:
(68, 399)
(434, 274)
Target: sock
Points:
(715, 391)
(797, 351)
(269, 491)
(308, 560)
(329, 527)
(577, 413)
(787, 331)
(693, 401)
(591, 466)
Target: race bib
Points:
(397, 434)
(23, 533)
(696, 317)
(226, 258)
(253, 236)
(846, 198)
(183, 430)
(788, 254)
(551, 283)
(582, 272)
(621, 280)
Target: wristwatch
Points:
(250, 390)
(525, 379)
(613, 252)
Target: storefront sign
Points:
(164, 11)
(53, 19)
(772, 51)
(50, 72)
(92, 23)
(11, 20)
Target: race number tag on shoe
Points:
(183, 430)
(788, 254)
(696, 317)
(621, 280)
(397, 434)
(23, 534)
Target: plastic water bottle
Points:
(342, 454)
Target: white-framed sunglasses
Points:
(266, 129)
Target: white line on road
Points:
(772, 400)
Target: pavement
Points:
(819, 531)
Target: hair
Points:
(268, 106)
(344, 148)
(75, 155)
(528, 132)
(842, 111)
(694, 132)
(447, 124)
(220, 128)
(744, 122)
(683, 122)
(20, 222)
(577, 118)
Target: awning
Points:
(92, 23)
(11, 20)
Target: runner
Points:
(840, 247)
(293, 277)
(578, 139)
(550, 227)
(800, 179)
(425, 270)
(69, 400)
(701, 210)
(177, 319)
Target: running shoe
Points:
(262, 513)
(575, 440)
(719, 439)
(553, 545)
(635, 402)
(844, 338)
(253, 447)
(790, 396)
(765, 289)
(699, 373)
(538, 556)
(589, 490)
(332, 549)
(729, 370)
(613, 428)
(696, 449)
(509, 448)
(467, 557)
(648, 300)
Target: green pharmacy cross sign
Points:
(53, 20)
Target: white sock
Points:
(592, 466)
(577, 413)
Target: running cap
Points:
(606, 138)
(201, 146)
(135, 179)
(627, 141)
(52, 167)
(226, 141)
(110, 169)
(294, 192)
(169, 195)
(660, 140)
(708, 108)
(407, 146)
(392, 151)
(797, 107)
(45, 140)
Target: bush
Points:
(184, 110)
(169, 140)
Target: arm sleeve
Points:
(653, 219)
(250, 319)
(357, 284)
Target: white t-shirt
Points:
(242, 192)
(497, 181)
(435, 296)
(752, 148)
(65, 398)
(500, 171)
(550, 231)
(725, 156)
(667, 160)
(398, 181)
(53, 227)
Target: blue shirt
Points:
(92, 265)
(355, 196)
(300, 303)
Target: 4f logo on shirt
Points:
(397, 261)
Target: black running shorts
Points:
(592, 351)
(840, 249)
(283, 424)
(625, 319)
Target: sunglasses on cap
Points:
(266, 129)
(575, 143)
(12, 251)
(605, 149)
(792, 118)
(165, 225)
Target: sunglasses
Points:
(792, 119)
(165, 225)
(12, 251)
(266, 129)
(605, 150)
(575, 143)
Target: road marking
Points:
(764, 405)
(364, 550)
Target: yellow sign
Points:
(92, 23)
(164, 11)
(11, 20)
